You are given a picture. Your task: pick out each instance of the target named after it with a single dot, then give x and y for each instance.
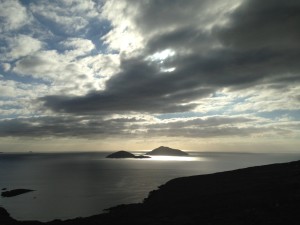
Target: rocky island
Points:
(124, 155)
(166, 151)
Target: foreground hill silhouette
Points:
(15, 192)
(162, 150)
(262, 195)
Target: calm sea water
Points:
(70, 185)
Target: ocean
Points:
(70, 185)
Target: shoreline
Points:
(268, 194)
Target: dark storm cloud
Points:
(140, 87)
(259, 44)
(88, 127)
(192, 38)
(64, 126)
(264, 24)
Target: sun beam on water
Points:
(174, 158)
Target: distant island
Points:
(160, 151)
(166, 151)
(125, 154)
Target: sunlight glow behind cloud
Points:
(210, 74)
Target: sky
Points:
(95, 75)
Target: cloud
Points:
(75, 47)
(264, 24)
(22, 45)
(6, 66)
(264, 98)
(141, 86)
(12, 15)
(66, 17)
(158, 59)
(6, 90)
(61, 126)
(135, 127)
(70, 72)
(18, 99)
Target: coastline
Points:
(268, 194)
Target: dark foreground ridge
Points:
(14, 192)
(162, 150)
(262, 195)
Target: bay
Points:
(70, 185)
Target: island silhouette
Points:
(125, 154)
(166, 151)
(160, 151)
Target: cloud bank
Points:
(190, 69)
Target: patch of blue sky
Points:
(10, 116)
(229, 107)
(226, 109)
(27, 2)
(23, 79)
(184, 115)
(277, 114)
(94, 32)
(8, 107)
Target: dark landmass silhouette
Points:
(166, 151)
(14, 192)
(124, 154)
(262, 195)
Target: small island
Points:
(125, 154)
(14, 192)
(166, 151)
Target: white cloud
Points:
(20, 99)
(22, 45)
(103, 65)
(6, 66)
(75, 47)
(12, 15)
(68, 16)
(124, 37)
(6, 90)
(69, 75)
(136, 22)
(11, 88)
(267, 99)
